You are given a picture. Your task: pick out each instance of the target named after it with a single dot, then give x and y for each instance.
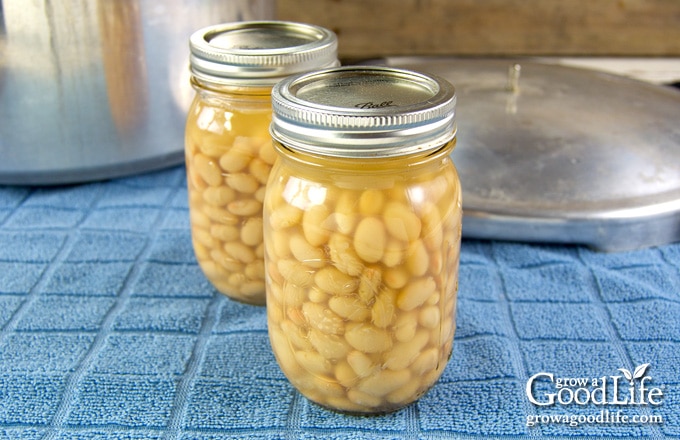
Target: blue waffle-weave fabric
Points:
(108, 330)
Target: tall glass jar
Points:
(229, 150)
(362, 230)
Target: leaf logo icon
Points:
(639, 372)
(627, 374)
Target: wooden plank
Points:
(368, 28)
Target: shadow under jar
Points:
(362, 230)
(228, 148)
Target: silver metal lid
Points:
(562, 155)
(259, 53)
(363, 111)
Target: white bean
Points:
(305, 253)
(370, 239)
(218, 195)
(418, 259)
(260, 170)
(312, 225)
(430, 317)
(330, 346)
(369, 283)
(363, 399)
(224, 232)
(322, 319)
(416, 293)
(285, 217)
(368, 338)
(240, 252)
(382, 312)
(332, 281)
(245, 207)
(361, 364)
(242, 182)
(404, 353)
(343, 255)
(349, 307)
(384, 382)
(313, 362)
(371, 202)
(405, 392)
(402, 223)
(208, 169)
(298, 338)
(238, 156)
(251, 232)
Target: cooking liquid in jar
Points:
(229, 155)
(229, 152)
(362, 265)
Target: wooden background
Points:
(369, 28)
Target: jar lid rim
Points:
(363, 111)
(259, 52)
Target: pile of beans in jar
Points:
(227, 172)
(362, 287)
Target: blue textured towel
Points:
(109, 330)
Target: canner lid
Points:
(548, 153)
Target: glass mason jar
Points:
(228, 148)
(362, 230)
